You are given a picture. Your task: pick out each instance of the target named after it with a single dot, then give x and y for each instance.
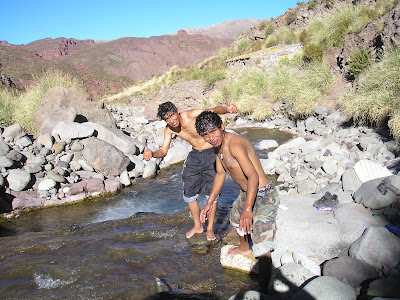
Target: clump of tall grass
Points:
(330, 32)
(255, 92)
(301, 90)
(377, 99)
(26, 103)
(269, 29)
(242, 46)
(7, 107)
(212, 76)
(359, 61)
(292, 60)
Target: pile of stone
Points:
(73, 157)
(338, 225)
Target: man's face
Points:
(172, 119)
(214, 136)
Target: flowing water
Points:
(114, 247)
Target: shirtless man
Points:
(253, 212)
(199, 168)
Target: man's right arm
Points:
(162, 152)
(219, 180)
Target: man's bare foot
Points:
(238, 250)
(210, 235)
(192, 232)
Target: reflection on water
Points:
(114, 247)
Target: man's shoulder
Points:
(191, 113)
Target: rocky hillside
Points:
(108, 66)
(21, 67)
(228, 29)
(142, 58)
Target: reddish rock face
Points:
(53, 48)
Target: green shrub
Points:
(293, 60)
(291, 17)
(223, 53)
(269, 29)
(262, 25)
(313, 52)
(210, 77)
(359, 61)
(311, 4)
(242, 46)
(196, 74)
(271, 41)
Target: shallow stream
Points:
(114, 247)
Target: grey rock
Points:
(72, 130)
(32, 168)
(325, 288)
(6, 162)
(12, 131)
(353, 219)
(350, 180)
(104, 158)
(118, 139)
(18, 179)
(47, 140)
(23, 142)
(4, 148)
(377, 247)
(15, 155)
(370, 196)
(66, 114)
(349, 270)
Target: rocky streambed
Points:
(326, 161)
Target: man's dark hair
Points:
(207, 120)
(166, 108)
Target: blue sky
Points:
(25, 21)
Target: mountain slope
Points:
(228, 29)
(141, 58)
(22, 66)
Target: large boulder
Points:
(377, 193)
(117, 138)
(377, 247)
(104, 158)
(60, 99)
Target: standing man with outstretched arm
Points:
(199, 168)
(254, 211)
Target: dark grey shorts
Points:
(198, 173)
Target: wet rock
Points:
(112, 186)
(237, 262)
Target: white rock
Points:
(237, 262)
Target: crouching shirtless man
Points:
(254, 211)
(199, 168)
